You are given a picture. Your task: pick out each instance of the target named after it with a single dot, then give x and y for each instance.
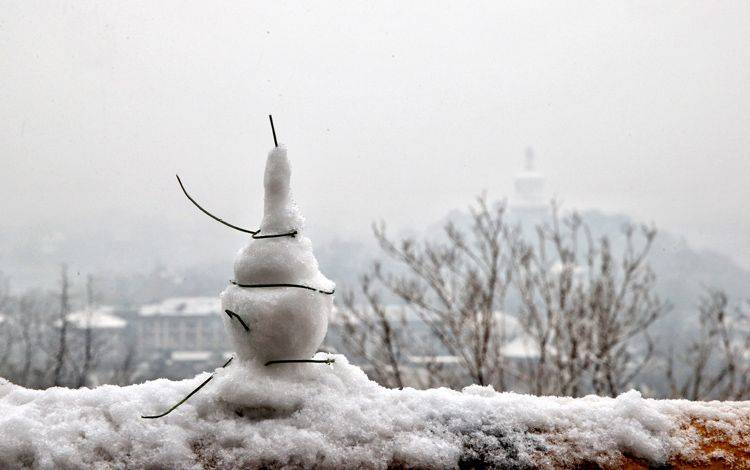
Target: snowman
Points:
(278, 304)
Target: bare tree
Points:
(88, 337)
(455, 285)
(7, 343)
(62, 351)
(7, 334)
(30, 334)
(124, 371)
(28, 322)
(585, 311)
(715, 364)
(53, 349)
(583, 307)
(371, 334)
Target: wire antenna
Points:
(251, 232)
(273, 129)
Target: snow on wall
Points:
(306, 415)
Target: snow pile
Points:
(277, 322)
(333, 416)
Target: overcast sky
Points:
(390, 111)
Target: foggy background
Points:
(636, 112)
(395, 112)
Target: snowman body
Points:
(283, 325)
(283, 322)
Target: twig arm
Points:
(251, 232)
(231, 314)
(188, 395)
(328, 361)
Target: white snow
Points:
(284, 322)
(521, 346)
(102, 317)
(334, 417)
(190, 356)
(181, 306)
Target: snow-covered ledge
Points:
(306, 415)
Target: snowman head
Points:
(280, 213)
(278, 253)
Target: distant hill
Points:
(145, 262)
(683, 273)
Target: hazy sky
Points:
(389, 110)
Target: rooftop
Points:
(182, 306)
(96, 318)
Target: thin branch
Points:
(252, 232)
(231, 314)
(300, 286)
(328, 361)
(188, 395)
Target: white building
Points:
(529, 186)
(181, 324)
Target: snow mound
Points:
(305, 415)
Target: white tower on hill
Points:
(529, 185)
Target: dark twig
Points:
(328, 361)
(188, 396)
(300, 286)
(273, 129)
(292, 234)
(252, 232)
(232, 314)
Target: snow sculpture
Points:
(279, 302)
